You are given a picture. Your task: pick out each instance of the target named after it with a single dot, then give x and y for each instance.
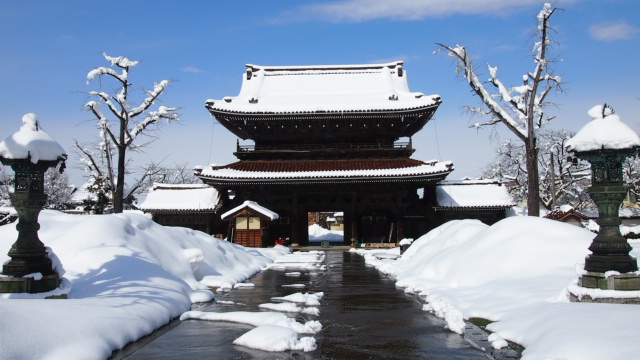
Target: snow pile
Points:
(605, 131)
(309, 260)
(256, 319)
(275, 331)
(318, 233)
(309, 299)
(275, 338)
(31, 141)
(128, 277)
(515, 273)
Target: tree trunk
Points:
(533, 180)
(118, 197)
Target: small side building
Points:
(187, 205)
(569, 215)
(484, 200)
(249, 224)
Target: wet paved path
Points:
(363, 314)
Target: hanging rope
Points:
(437, 142)
(213, 123)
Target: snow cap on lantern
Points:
(31, 142)
(605, 131)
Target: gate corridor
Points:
(363, 315)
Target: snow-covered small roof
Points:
(181, 197)
(290, 89)
(605, 131)
(473, 193)
(563, 212)
(31, 141)
(251, 205)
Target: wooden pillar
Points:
(400, 230)
(355, 228)
(295, 221)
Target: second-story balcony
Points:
(337, 149)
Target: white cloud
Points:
(364, 10)
(192, 69)
(613, 31)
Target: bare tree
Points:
(632, 177)
(180, 173)
(120, 130)
(520, 108)
(58, 189)
(6, 184)
(562, 182)
(101, 177)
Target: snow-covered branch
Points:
(520, 108)
(118, 137)
(158, 88)
(495, 109)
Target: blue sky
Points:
(48, 47)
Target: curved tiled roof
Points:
(316, 169)
(312, 89)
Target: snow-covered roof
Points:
(181, 197)
(605, 131)
(31, 141)
(473, 193)
(352, 169)
(82, 194)
(280, 89)
(254, 206)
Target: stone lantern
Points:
(606, 142)
(29, 152)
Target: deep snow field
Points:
(516, 273)
(126, 276)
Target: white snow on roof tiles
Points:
(252, 205)
(278, 89)
(194, 197)
(467, 193)
(31, 141)
(605, 131)
(433, 168)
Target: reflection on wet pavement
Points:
(363, 314)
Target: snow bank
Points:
(515, 273)
(128, 276)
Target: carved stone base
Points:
(623, 288)
(11, 284)
(598, 280)
(24, 266)
(603, 263)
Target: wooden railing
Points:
(308, 147)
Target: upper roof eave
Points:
(320, 113)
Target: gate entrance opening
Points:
(325, 227)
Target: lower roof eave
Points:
(429, 178)
(180, 212)
(472, 208)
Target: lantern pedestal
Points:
(622, 288)
(609, 266)
(30, 269)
